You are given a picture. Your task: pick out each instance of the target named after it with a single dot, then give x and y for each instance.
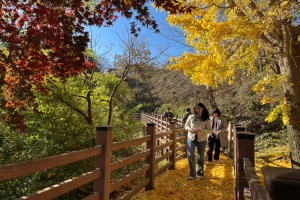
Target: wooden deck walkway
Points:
(218, 184)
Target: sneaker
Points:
(191, 178)
(218, 161)
(201, 177)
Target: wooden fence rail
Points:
(102, 153)
(248, 185)
(163, 140)
(279, 183)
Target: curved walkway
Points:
(218, 184)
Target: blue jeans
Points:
(191, 145)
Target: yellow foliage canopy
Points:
(229, 39)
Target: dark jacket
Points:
(168, 115)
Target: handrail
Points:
(28, 167)
(102, 152)
(160, 135)
(256, 189)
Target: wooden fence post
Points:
(161, 118)
(151, 158)
(281, 183)
(185, 149)
(230, 140)
(173, 146)
(103, 161)
(168, 124)
(236, 128)
(244, 149)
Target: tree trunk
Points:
(116, 87)
(291, 69)
(89, 110)
(211, 98)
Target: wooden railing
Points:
(174, 137)
(102, 153)
(279, 183)
(162, 125)
(248, 185)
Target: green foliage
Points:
(57, 127)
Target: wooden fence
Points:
(169, 138)
(102, 153)
(247, 183)
(279, 183)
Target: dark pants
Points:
(213, 144)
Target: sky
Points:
(110, 41)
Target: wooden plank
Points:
(180, 157)
(180, 130)
(63, 187)
(94, 196)
(128, 195)
(128, 143)
(24, 168)
(163, 169)
(144, 123)
(247, 194)
(163, 146)
(180, 138)
(128, 160)
(128, 178)
(162, 140)
(166, 133)
(159, 159)
(255, 186)
(180, 148)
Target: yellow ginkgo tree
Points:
(242, 37)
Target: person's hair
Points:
(168, 108)
(187, 109)
(216, 110)
(205, 114)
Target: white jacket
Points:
(193, 123)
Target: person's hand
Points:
(194, 131)
(198, 130)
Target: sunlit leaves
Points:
(268, 86)
(219, 181)
(229, 41)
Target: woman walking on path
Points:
(198, 126)
(218, 137)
